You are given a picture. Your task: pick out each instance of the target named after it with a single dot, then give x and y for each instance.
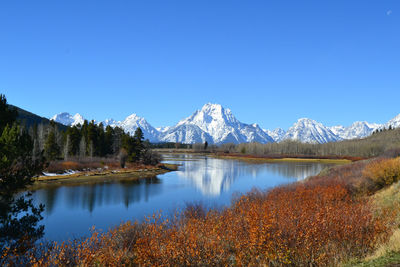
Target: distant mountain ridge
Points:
(67, 119)
(310, 131)
(217, 125)
(29, 119)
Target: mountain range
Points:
(217, 125)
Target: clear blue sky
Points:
(270, 62)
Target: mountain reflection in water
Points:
(70, 211)
(212, 176)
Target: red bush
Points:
(313, 223)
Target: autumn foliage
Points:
(383, 172)
(323, 221)
(313, 223)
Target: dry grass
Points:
(383, 172)
(386, 203)
(393, 245)
(84, 164)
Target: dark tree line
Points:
(385, 142)
(19, 217)
(91, 140)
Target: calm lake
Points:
(71, 211)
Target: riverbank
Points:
(286, 158)
(103, 175)
(344, 216)
(347, 215)
(266, 158)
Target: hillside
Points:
(29, 119)
(385, 142)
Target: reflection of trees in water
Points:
(213, 176)
(49, 197)
(296, 169)
(90, 196)
(210, 176)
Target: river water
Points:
(71, 211)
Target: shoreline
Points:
(271, 158)
(283, 159)
(92, 177)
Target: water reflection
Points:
(88, 197)
(70, 211)
(213, 176)
(297, 170)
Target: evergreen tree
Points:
(75, 137)
(18, 216)
(101, 141)
(51, 148)
(138, 136)
(109, 140)
(7, 114)
(138, 144)
(117, 139)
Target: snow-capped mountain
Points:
(110, 122)
(163, 129)
(276, 134)
(216, 125)
(394, 123)
(310, 131)
(219, 124)
(132, 122)
(67, 119)
(186, 133)
(358, 129)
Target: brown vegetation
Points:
(372, 146)
(287, 156)
(383, 172)
(61, 166)
(325, 220)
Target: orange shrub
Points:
(318, 222)
(383, 172)
(315, 223)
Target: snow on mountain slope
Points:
(110, 122)
(215, 124)
(394, 123)
(132, 122)
(358, 129)
(220, 124)
(163, 129)
(374, 125)
(186, 133)
(276, 134)
(309, 131)
(67, 119)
